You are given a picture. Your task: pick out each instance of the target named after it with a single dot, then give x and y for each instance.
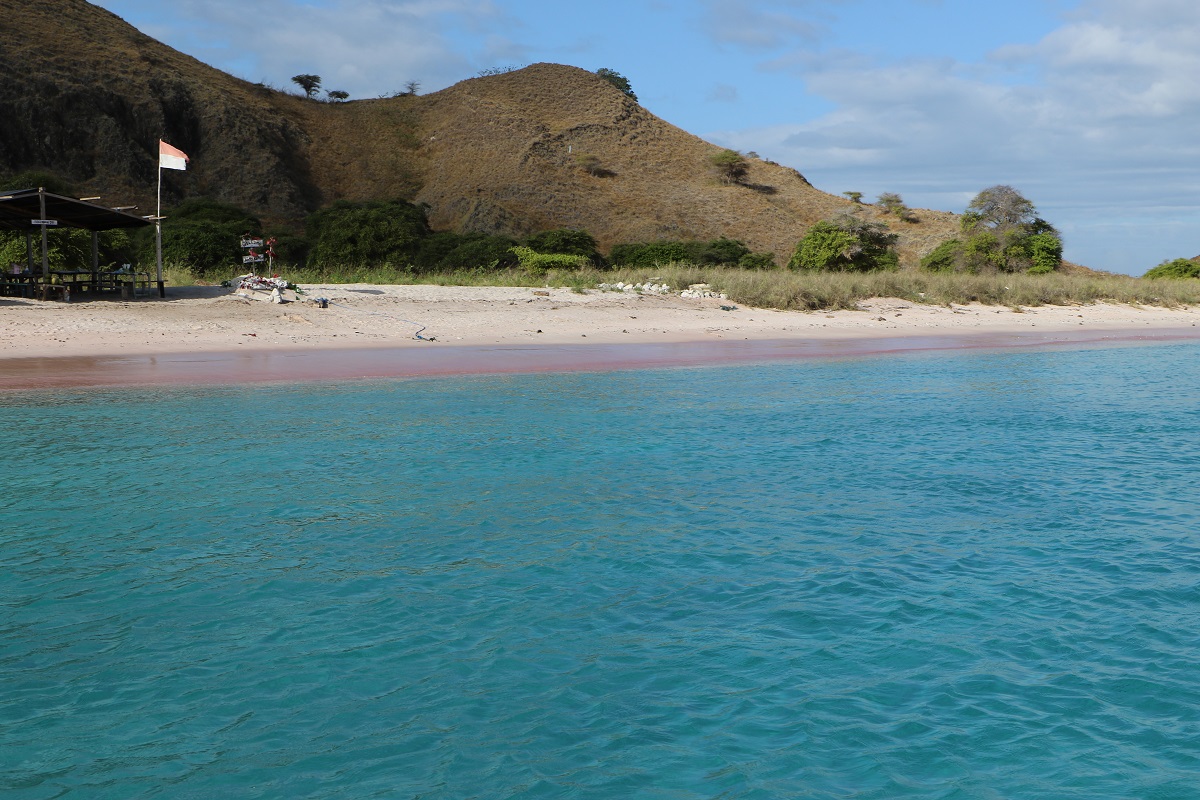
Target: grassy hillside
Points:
(87, 96)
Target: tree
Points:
(846, 243)
(1001, 232)
(730, 166)
(337, 95)
(1002, 209)
(855, 197)
(618, 80)
(411, 88)
(311, 84)
(892, 203)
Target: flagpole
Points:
(162, 291)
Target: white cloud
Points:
(1106, 132)
(366, 47)
(764, 24)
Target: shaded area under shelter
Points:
(28, 210)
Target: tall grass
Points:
(783, 289)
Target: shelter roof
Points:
(19, 207)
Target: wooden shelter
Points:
(29, 209)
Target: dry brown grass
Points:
(799, 291)
(493, 154)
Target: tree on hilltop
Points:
(618, 80)
(311, 84)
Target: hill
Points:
(87, 96)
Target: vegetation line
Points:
(793, 291)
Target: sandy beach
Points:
(213, 334)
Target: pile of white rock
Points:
(700, 290)
(635, 288)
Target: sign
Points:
(252, 243)
(50, 222)
(255, 259)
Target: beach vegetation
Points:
(618, 80)
(200, 235)
(846, 243)
(568, 241)
(716, 252)
(1000, 232)
(375, 232)
(1175, 269)
(777, 289)
(447, 251)
(539, 264)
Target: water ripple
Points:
(925, 577)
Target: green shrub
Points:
(538, 264)
(718, 252)
(757, 261)
(565, 240)
(723, 252)
(1044, 252)
(480, 252)
(650, 254)
(200, 235)
(1176, 268)
(364, 234)
(846, 244)
(944, 258)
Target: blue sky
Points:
(1088, 107)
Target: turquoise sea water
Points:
(948, 576)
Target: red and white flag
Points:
(171, 157)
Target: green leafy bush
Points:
(1176, 268)
(200, 235)
(944, 258)
(449, 251)
(650, 254)
(1045, 253)
(375, 233)
(539, 264)
(757, 261)
(723, 252)
(565, 240)
(846, 243)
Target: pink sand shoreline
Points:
(327, 364)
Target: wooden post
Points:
(45, 246)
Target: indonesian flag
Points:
(171, 157)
